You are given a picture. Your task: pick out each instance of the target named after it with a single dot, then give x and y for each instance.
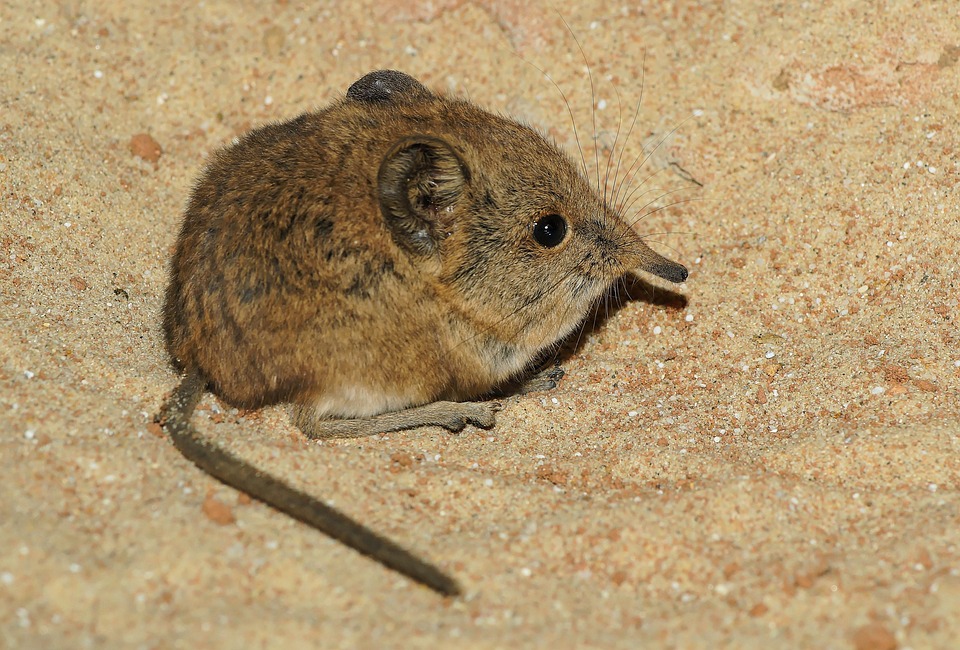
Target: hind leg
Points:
(453, 416)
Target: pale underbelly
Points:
(358, 400)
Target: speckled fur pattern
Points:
(289, 282)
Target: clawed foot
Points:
(479, 414)
(543, 380)
(453, 416)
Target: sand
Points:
(767, 456)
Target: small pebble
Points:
(217, 511)
(142, 145)
(874, 636)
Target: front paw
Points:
(478, 414)
(544, 380)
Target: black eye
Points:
(549, 230)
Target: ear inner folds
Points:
(419, 178)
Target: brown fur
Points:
(379, 255)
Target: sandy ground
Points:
(766, 457)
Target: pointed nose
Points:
(660, 266)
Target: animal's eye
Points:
(549, 230)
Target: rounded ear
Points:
(419, 179)
(385, 87)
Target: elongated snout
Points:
(655, 263)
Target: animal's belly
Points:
(359, 400)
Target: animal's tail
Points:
(242, 476)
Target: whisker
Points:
(664, 191)
(663, 243)
(631, 175)
(566, 102)
(613, 149)
(646, 180)
(633, 123)
(559, 344)
(593, 97)
(669, 205)
(629, 208)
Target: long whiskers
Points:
(631, 174)
(633, 123)
(566, 103)
(613, 149)
(593, 98)
(654, 200)
(664, 207)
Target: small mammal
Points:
(380, 265)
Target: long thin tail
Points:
(238, 474)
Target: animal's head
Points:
(516, 235)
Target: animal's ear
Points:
(385, 87)
(420, 181)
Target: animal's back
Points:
(284, 267)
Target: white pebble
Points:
(98, 74)
(268, 100)
(770, 355)
(688, 318)
(878, 390)
(632, 414)
(6, 578)
(657, 329)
